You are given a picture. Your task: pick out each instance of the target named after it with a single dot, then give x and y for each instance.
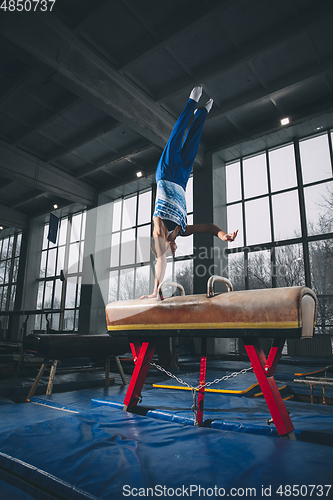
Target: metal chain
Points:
(200, 386)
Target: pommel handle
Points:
(170, 283)
(211, 281)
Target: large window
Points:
(281, 200)
(61, 297)
(9, 262)
(132, 262)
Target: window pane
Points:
(286, 216)
(233, 182)
(51, 262)
(18, 245)
(142, 281)
(235, 221)
(69, 320)
(143, 244)
(37, 322)
(318, 206)
(78, 292)
(81, 256)
(43, 265)
(289, 267)
(116, 216)
(315, 159)
(4, 248)
(70, 293)
(61, 259)
(10, 247)
(236, 271)
(45, 240)
(115, 241)
(184, 275)
(55, 321)
(12, 297)
(189, 195)
(15, 270)
(4, 298)
(168, 291)
(127, 255)
(126, 284)
(185, 244)
(113, 286)
(259, 270)
(48, 294)
(76, 227)
(7, 273)
(255, 176)
(2, 271)
(40, 295)
(321, 258)
(63, 232)
(258, 226)
(282, 168)
(57, 295)
(73, 259)
(129, 212)
(144, 214)
(83, 225)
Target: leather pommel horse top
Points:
(274, 312)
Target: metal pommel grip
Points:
(211, 281)
(170, 283)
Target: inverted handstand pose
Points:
(172, 174)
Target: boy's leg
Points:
(173, 148)
(192, 139)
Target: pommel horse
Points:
(277, 313)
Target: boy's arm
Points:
(210, 229)
(160, 267)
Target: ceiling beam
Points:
(295, 79)
(13, 218)
(49, 117)
(85, 14)
(33, 195)
(55, 45)
(266, 128)
(84, 138)
(16, 84)
(194, 17)
(26, 169)
(275, 37)
(113, 158)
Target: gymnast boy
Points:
(172, 174)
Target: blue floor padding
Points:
(13, 491)
(15, 415)
(98, 452)
(231, 413)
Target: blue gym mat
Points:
(81, 445)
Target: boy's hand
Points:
(230, 236)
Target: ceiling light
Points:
(139, 174)
(284, 121)
(319, 128)
(55, 206)
(1, 228)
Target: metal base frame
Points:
(263, 368)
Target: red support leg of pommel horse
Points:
(277, 313)
(263, 369)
